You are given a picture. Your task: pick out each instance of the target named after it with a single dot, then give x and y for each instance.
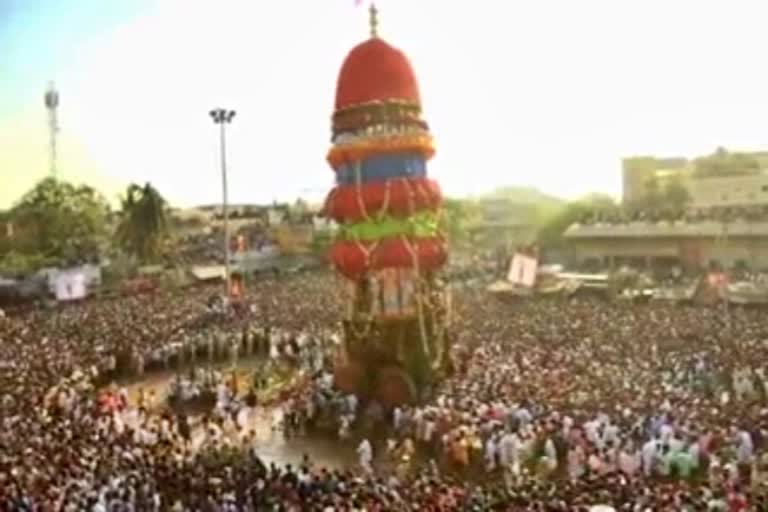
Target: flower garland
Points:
(421, 225)
(353, 259)
(390, 112)
(396, 197)
(358, 150)
(387, 104)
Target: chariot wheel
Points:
(350, 378)
(394, 387)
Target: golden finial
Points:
(374, 20)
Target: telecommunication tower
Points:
(52, 105)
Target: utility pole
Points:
(52, 105)
(223, 117)
(727, 279)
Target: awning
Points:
(209, 273)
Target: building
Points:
(730, 191)
(637, 172)
(747, 187)
(692, 245)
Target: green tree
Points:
(143, 225)
(58, 220)
(592, 207)
(676, 195)
(551, 232)
(653, 198)
(459, 215)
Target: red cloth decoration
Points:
(375, 71)
(397, 198)
(353, 259)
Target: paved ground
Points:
(272, 445)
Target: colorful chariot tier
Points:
(354, 259)
(401, 197)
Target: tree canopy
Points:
(458, 216)
(143, 225)
(594, 206)
(676, 195)
(57, 221)
(670, 197)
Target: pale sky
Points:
(545, 93)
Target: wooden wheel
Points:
(350, 377)
(394, 387)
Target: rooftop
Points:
(665, 229)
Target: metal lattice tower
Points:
(52, 105)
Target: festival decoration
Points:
(354, 259)
(420, 225)
(357, 150)
(381, 168)
(399, 197)
(390, 247)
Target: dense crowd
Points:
(554, 405)
(758, 213)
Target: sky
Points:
(543, 93)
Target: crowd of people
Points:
(555, 404)
(677, 213)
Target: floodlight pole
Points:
(223, 117)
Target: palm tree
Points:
(143, 223)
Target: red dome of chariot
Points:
(375, 71)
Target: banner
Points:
(522, 270)
(70, 286)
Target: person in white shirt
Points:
(234, 351)
(352, 405)
(491, 449)
(397, 419)
(666, 431)
(523, 416)
(592, 433)
(576, 462)
(365, 455)
(649, 451)
(630, 461)
(344, 427)
(428, 430)
(675, 444)
(745, 448)
(550, 455)
(509, 455)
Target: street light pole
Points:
(725, 286)
(223, 117)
